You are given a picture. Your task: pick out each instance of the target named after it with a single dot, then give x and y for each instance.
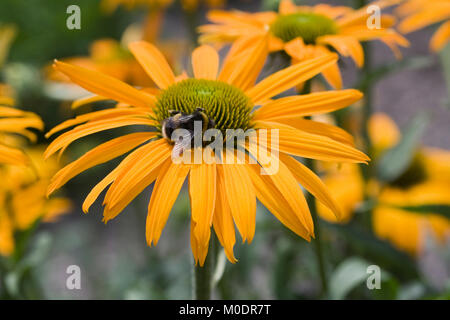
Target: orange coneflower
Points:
(15, 122)
(107, 56)
(422, 13)
(305, 32)
(425, 183)
(23, 198)
(221, 194)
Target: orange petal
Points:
(135, 174)
(102, 153)
(67, 138)
(242, 69)
(234, 179)
(14, 156)
(105, 85)
(346, 46)
(153, 62)
(304, 144)
(205, 62)
(167, 186)
(273, 200)
(311, 182)
(202, 192)
(319, 128)
(100, 115)
(441, 37)
(224, 225)
(307, 104)
(289, 77)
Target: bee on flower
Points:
(222, 195)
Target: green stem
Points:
(203, 275)
(318, 240)
(192, 24)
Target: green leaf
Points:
(348, 275)
(440, 209)
(368, 246)
(396, 160)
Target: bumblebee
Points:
(179, 120)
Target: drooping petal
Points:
(105, 182)
(202, 192)
(308, 104)
(288, 78)
(319, 128)
(270, 197)
(67, 138)
(99, 115)
(223, 224)
(304, 144)
(153, 62)
(234, 179)
(103, 153)
(346, 46)
(86, 100)
(167, 186)
(441, 37)
(283, 180)
(205, 62)
(130, 181)
(105, 85)
(311, 182)
(241, 68)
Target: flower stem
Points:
(318, 240)
(203, 275)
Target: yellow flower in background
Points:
(110, 57)
(111, 5)
(426, 182)
(305, 32)
(7, 35)
(14, 122)
(419, 14)
(221, 195)
(155, 13)
(23, 197)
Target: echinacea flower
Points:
(15, 122)
(221, 195)
(425, 183)
(419, 14)
(23, 198)
(110, 57)
(305, 32)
